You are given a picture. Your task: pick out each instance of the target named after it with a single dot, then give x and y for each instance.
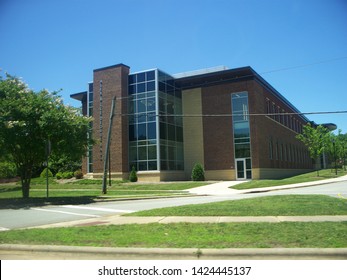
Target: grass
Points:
(185, 235)
(281, 205)
(87, 190)
(307, 177)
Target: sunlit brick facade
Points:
(230, 120)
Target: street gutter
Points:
(13, 251)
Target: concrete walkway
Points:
(225, 188)
(216, 189)
(11, 252)
(220, 188)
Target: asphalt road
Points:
(36, 216)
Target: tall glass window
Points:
(241, 131)
(170, 123)
(142, 121)
(155, 130)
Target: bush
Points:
(44, 173)
(7, 170)
(78, 174)
(133, 175)
(61, 163)
(67, 175)
(198, 173)
(59, 175)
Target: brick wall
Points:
(114, 83)
(265, 129)
(218, 131)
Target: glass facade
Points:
(155, 132)
(242, 143)
(170, 123)
(143, 121)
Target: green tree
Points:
(315, 139)
(29, 119)
(341, 148)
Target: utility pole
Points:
(48, 152)
(109, 168)
(107, 150)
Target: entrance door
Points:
(241, 169)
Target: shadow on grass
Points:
(10, 189)
(22, 203)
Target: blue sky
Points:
(299, 47)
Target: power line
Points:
(262, 73)
(304, 65)
(231, 115)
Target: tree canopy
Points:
(315, 139)
(29, 120)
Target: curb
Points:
(292, 186)
(7, 251)
(108, 198)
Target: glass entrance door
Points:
(240, 169)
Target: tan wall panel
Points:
(228, 175)
(114, 175)
(173, 176)
(192, 130)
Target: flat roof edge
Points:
(110, 67)
(79, 95)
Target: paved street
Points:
(38, 216)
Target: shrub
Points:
(133, 175)
(59, 175)
(198, 173)
(44, 173)
(78, 174)
(7, 170)
(67, 175)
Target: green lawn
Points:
(281, 205)
(185, 235)
(87, 190)
(307, 177)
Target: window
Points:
(241, 130)
(268, 106)
(242, 150)
(273, 110)
(270, 149)
(144, 146)
(150, 75)
(282, 117)
(151, 86)
(141, 77)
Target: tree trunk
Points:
(25, 188)
(25, 175)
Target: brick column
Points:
(109, 82)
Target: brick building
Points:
(230, 120)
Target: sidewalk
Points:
(10, 252)
(217, 189)
(223, 188)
